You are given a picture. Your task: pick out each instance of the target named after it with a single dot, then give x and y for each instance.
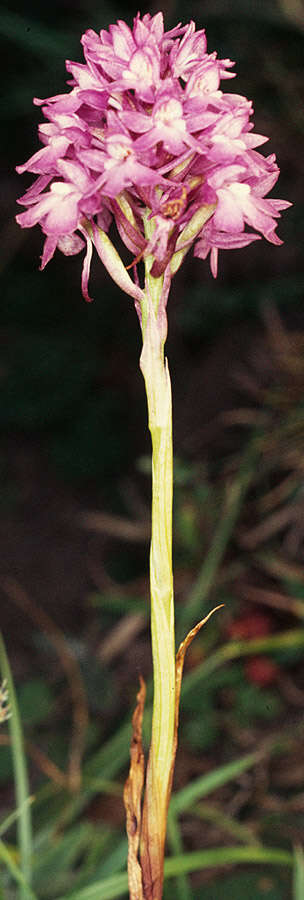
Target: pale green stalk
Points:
(158, 389)
(146, 881)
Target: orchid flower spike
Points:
(146, 126)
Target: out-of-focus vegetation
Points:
(74, 511)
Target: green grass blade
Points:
(290, 639)
(194, 609)
(184, 799)
(62, 853)
(24, 824)
(109, 888)
(222, 856)
(108, 760)
(174, 838)
(226, 824)
(298, 874)
(12, 817)
(15, 872)
(105, 889)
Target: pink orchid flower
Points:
(146, 131)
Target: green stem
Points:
(162, 608)
(158, 389)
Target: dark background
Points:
(72, 409)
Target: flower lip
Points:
(119, 147)
(169, 112)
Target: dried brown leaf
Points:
(132, 797)
(180, 659)
(155, 807)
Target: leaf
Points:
(298, 874)
(109, 888)
(156, 802)
(16, 873)
(203, 786)
(132, 797)
(180, 658)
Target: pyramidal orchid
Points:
(147, 145)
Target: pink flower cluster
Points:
(146, 132)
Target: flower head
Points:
(147, 134)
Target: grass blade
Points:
(240, 832)
(183, 890)
(183, 799)
(298, 874)
(195, 607)
(13, 816)
(109, 888)
(16, 873)
(105, 889)
(222, 856)
(24, 824)
(285, 640)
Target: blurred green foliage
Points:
(250, 885)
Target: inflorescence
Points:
(147, 133)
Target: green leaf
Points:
(283, 641)
(195, 607)
(59, 857)
(109, 888)
(298, 874)
(16, 873)
(239, 831)
(201, 787)
(222, 856)
(13, 816)
(106, 889)
(174, 837)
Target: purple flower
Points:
(146, 141)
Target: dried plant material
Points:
(117, 526)
(180, 659)
(274, 599)
(272, 525)
(153, 837)
(46, 765)
(155, 803)
(132, 797)
(120, 637)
